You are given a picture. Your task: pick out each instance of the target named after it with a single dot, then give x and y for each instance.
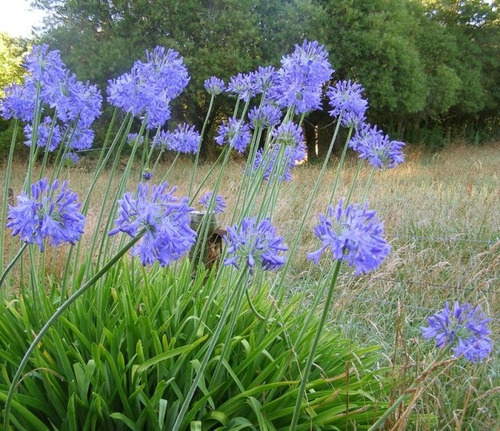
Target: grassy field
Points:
(442, 217)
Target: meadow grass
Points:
(442, 217)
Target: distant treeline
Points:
(430, 69)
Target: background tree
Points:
(100, 40)
(11, 54)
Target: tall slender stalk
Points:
(312, 351)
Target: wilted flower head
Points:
(219, 204)
(264, 116)
(48, 134)
(147, 174)
(465, 328)
(235, 133)
(214, 85)
(47, 213)
(184, 139)
(165, 218)
(150, 86)
(300, 80)
(346, 99)
(254, 244)
(353, 235)
(376, 147)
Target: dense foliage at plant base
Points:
(137, 341)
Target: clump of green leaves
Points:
(125, 355)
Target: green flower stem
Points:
(170, 167)
(12, 263)
(319, 333)
(34, 137)
(368, 184)
(353, 183)
(381, 420)
(54, 317)
(252, 307)
(235, 293)
(202, 134)
(5, 205)
(305, 216)
(341, 161)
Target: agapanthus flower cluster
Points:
(234, 132)
(466, 328)
(184, 139)
(214, 85)
(47, 134)
(49, 83)
(288, 133)
(376, 147)
(346, 99)
(73, 157)
(301, 77)
(279, 161)
(254, 244)
(135, 138)
(165, 218)
(219, 204)
(243, 86)
(150, 86)
(48, 213)
(264, 116)
(264, 78)
(354, 235)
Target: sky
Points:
(17, 18)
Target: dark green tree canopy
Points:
(425, 64)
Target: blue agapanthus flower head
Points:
(150, 86)
(264, 78)
(184, 139)
(81, 138)
(72, 157)
(44, 65)
(346, 99)
(49, 213)
(288, 133)
(376, 147)
(234, 132)
(264, 116)
(243, 86)
(354, 235)
(19, 102)
(254, 244)
(75, 101)
(165, 218)
(49, 135)
(135, 139)
(466, 328)
(301, 77)
(219, 204)
(278, 161)
(54, 87)
(214, 85)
